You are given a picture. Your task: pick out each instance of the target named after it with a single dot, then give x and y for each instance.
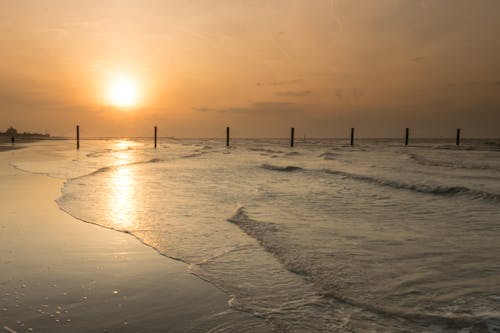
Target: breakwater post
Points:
(352, 136)
(227, 136)
(458, 137)
(407, 135)
(292, 133)
(156, 135)
(77, 137)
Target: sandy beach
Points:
(59, 274)
(21, 142)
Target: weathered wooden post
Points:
(352, 136)
(292, 133)
(407, 136)
(227, 136)
(77, 137)
(458, 137)
(156, 135)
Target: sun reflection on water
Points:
(121, 197)
(121, 191)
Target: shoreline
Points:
(20, 143)
(58, 274)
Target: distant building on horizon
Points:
(11, 131)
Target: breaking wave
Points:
(289, 168)
(422, 188)
(268, 236)
(448, 164)
(434, 189)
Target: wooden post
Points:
(156, 135)
(77, 137)
(352, 136)
(458, 137)
(407, 135)
(292, 136)
(227, 136)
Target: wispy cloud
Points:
(257, 107)
(355, 93)
(281, 83)
(335, 16)
(83, 24)
(6, 24)
(417, 59)
(294, 93)
(66, 27)
(472, 84)
(54, 31)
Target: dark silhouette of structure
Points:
(156, 135)
(14, 133)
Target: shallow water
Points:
(321, 237)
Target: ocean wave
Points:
(328, 156)
(19, 167)
(204, 151)
(427, 162)
(197, 154)
(289, 168)
(94, 154)
(266, 150)
(267, 234)
(422, 188)
(434, 189)
(113, 167)
(484, 146)
(250, 226)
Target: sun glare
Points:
(123, 92)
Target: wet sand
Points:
(10, 147)
(58, 274)
(21, 142)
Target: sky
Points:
(261, 67)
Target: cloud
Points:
(26, 97)
(356, 93)
(55, 31)
(281, 83)
(294, 93)
(416, 59)
(257, 107)
(66, 27)
(472, 84)
(83, 24)
(33, 97)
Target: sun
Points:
(123, 92)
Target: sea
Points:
(321, 237)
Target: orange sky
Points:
(260, 67)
